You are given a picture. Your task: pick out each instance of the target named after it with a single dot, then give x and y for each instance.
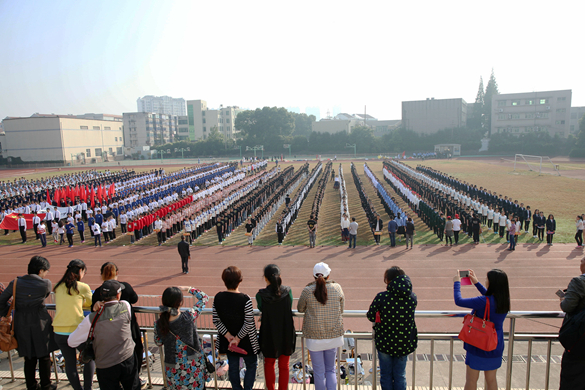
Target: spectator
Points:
(109, 271)
(392, 313)
(409, 229)
(551, 227)
(323, 301)
(392, 227)
(71, 298)
(353, 229)
(277, 329)
(33, 325)
(498, 293)
(176, 331)
(572, 373)
(113, 346)
(233, 316)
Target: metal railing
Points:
(205, 327)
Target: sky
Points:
(74, 57)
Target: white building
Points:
(161, 105)
(202, 120)
(148, 129)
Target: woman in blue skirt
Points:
(498, 293)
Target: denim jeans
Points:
(251, 362)
(352, 237)
(512, 241)
(392, 371)
(392, 239)
(324, 369)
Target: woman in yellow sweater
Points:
(71, 298)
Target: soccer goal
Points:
(534, 163)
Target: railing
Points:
(205, 327)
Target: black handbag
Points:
(87, 353)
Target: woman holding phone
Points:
(498, 292)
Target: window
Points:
(88, 152)
(515, 116)
(116, 139)
(529, 102)
(501, 103)
(543, 101)
(107, 128)
(515, 102)
(203, 120)
(529, 116)
(204, 128)
(83, 127)
(98, 152)
(96, 127)
(561, 99)
(562, 122)
(119, 150)
(501, 116)
(561, 110)
(203, 113)
(183, 122)
(543, 115)
(110, 150)
(528, 129)
(516, 129)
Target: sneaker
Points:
(534, 236)
(70, 246)
(82, 242)
(578, 247)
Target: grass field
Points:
(553, 194)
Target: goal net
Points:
(535, 163)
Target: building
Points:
(576, 115)
(316, 111)
(101, 117)
(333, 126)
(518, 113)
(59, 138)
(384, 126)
(202, 120)
(183, 128)
(161, 105)
(148, 129)
(431, 115)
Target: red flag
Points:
(112, 190)
(48, 197)
(10, 222)
(76, 191)
(84, 193)
(92, 197)
(56, 196)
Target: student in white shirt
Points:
(22, 227)
(55, 230)
(105, 231)
(490, 217)
(123, 222)
(456, 228)
(112, 227)
(36, 222)
(95, 228)
(42, 233)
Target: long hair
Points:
(321, 289)
(72, 276)
(499, 289)
(272, 274)
(172, 297)
(109, 271)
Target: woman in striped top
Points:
(233, 316)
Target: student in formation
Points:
(42, 232)
(456, 228)
(22, 227)
(81, 230)
(55, 230)
(97, 234)
(496, 221)
(106, 231)
(250, 231)
(36, 222)
(490, 217)
(70, 228)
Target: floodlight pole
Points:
(352, 146)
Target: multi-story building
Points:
(183, 128)
(203, 120)
(576, 115)
(148, 129)
(518, 113)
(431, 115)
(161, 105)
(61, 138)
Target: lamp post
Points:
(255, 148)
(351, 146)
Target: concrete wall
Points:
(431, 115)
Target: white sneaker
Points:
(534, 236)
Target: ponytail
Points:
(321, 289)
(72, 276)
(171, 299)
(272, 274)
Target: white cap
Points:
(321, 268)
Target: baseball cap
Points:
(321, 268)
(111, 288)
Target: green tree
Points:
(267, 123)
(476, 117)
(490, 91)
(303, 123)
(579, 147)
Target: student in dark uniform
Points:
(185, 254)
(219, 226)
(280, 231)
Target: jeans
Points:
(251, 362)
(324, 369)
(392, 371)
(70, 356)
(312, 238)
(409, 238)
(43, 238)
(98, 239)
(512, 241)
(352, 237)
(392, 239)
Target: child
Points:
(80, 228)
(95, 228)
(42, 232)
(55, 230)
(70, 227)
(61, 230)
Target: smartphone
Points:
(464, 274)
(465, 280)
(560, 293)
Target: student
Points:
(496, 221)
(96, 231)
(312, 228)
(377, 229)
(490, 217)
(22, 227)
(105, 231)
(456, 228)
(81, 230)
(449, 232)
(42, 232)
(579, 234)
(535, 221)
(551, 227)
(353, 230)
(250, 231)
(55, 230)
(512, 234)
(280, 231)
(123, 221)
(70, 228)
(527, 217)
(502, 223)
(541, 226)
(36, 222)
(61, 231)
(409, 229)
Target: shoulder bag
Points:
(208, 365)
(7, 340)
(481, 333)
(87, 353)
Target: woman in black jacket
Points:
(33, 326)
(277, 330)
(551, 226)
(392, 313)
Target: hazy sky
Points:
(72, 57)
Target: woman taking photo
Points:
(551, 226)
(71, 297)
(277, 330)
(233, 316)
(323, 301)
(176, 331)
(392, 313)
(498, 293)
(109, 271)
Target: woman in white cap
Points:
(322, 301)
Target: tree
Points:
(490, 91)
(579, 148)
(476, 117)
(268, 123)
(303, 124)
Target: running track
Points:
(535, 272)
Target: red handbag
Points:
(480, 333)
